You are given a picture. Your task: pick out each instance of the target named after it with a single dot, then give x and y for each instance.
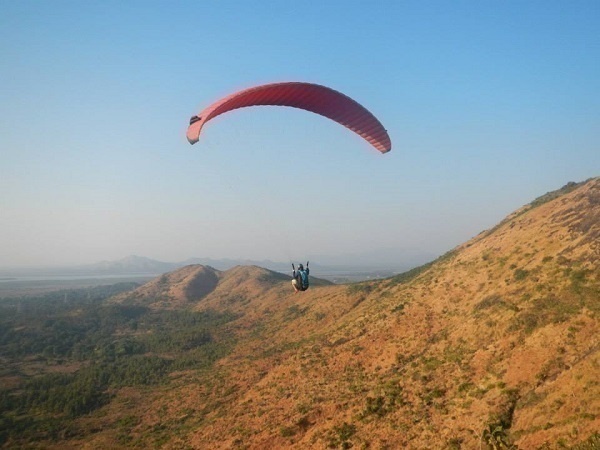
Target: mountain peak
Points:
(175, 289)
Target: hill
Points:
(493, 345)
(203, 287)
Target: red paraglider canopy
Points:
(310, 97)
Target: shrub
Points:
(398, 308)
(287, 431)
(521, 274)
(592, 443)
(494, 300)
(340, 435)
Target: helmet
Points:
(300, 267)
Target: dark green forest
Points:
(101, 346)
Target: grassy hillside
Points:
(493, 345)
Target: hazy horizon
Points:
(488, 106)
(368, 260)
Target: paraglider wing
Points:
(310, 97)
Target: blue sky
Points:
(488, 105)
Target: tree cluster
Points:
(110, 346)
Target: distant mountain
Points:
(130, 264)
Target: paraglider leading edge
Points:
(307, 96)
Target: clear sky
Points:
(488, 104)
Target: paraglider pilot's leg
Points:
(295, 284)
